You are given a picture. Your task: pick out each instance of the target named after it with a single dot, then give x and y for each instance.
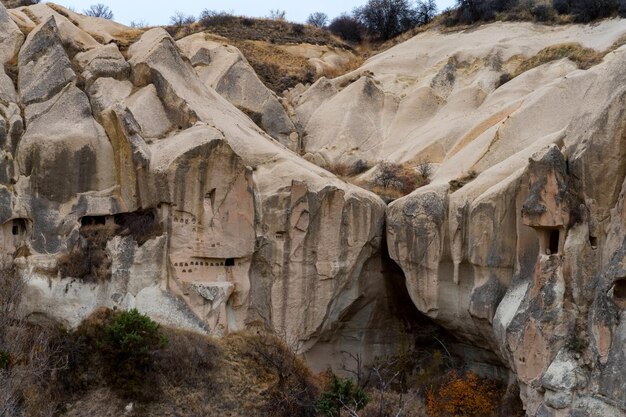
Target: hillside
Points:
(164, 173)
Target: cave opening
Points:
(93, 221)
(19, 227)
(555, 237)
(230, 262)
(619, 289)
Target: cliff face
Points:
(129, 182)
(130, 178)
(517, 244)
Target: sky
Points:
(159, 12)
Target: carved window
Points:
(93, 221)
(555, 236)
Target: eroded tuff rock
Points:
(127, 181)
(526, 259)
(441, 95)
(224, 68)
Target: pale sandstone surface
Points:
(247, 230)
(223, 68)
(523, 261)
(526, 260)
(437, 93)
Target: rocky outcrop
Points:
(440, 94)
(526, 258)
(130, 182)
(131, 179)
(223, 68)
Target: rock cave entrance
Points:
(93, 220)
(19, 227)
(619, 289)
(549, 239)
(555, 237)
(229, 262)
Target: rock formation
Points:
(516, 245)
(129, 182)
(143, 172)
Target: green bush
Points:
(129, 343)
(132, 336)
(341, 393)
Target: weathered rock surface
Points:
(526, 258)
(223, 68)
(130, 182)
(131, 179)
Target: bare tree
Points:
(99, 10)
(347, 28)
(388, 175)
(139, 24)
(386, 19)
(180, 19)
(426, 11)
(425, 170)
(318, 19)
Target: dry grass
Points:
(279, 70)
(583, 57)
(352, 65)
(259, 41)
(193, 375)
(392, 181)
(463, 180)
(239, 28)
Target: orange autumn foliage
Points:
(468, 396)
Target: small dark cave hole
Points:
(230, 262)
(555, 237)
(19, 227)
(93, 221)
(619, 289)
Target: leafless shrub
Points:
(88, 259)
(277, 14)
(139, 24)
(424, 170)
(388, 175)
(209, 18)
(99, 10)
(397, 180)
(33, 354)
(318, 19)
(141, 225)
(180, 19)
(295, 388)
(359, 167)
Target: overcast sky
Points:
(159, 12)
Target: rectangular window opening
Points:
(555, 237)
